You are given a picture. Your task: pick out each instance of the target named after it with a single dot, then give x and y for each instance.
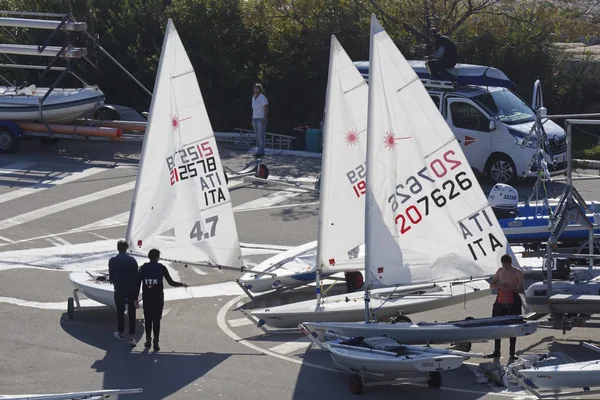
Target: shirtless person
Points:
(509, 282)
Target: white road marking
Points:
(36, 188)
(269, 200)
(279, 206)
(117, 220)
(290, 347)
(223, 325)
(7, 240)
(62, 241)
(65, 205)
(15, 167)
(52, 242)
(171, 294)
(236, 323)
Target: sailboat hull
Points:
(362, 359)
(351, 307)
(94, 289)
(572, 375)
(569, 298)
(430, 333)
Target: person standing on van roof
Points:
(445, 55)
(122, 272)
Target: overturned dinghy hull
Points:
(570, 297)
(471, 330)
(389, 302)
(581, 375)
(379, 361)
(61, 105)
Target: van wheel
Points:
(9, 142)
(501, 169)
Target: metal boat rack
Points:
(571, 208)
(67, 25)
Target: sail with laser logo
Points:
(427, 218)
(181, 203)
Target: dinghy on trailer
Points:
(108, 394)
(181, 204)
(61, 105)
(384, 356)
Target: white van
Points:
(491, 123)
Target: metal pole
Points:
(569, 155)
(117, 63)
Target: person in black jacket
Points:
(150, 278)
(445, 55)
(122, 272)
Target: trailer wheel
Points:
(9, 142)
(356, 384)
(435, 380)
(262, 171)
(70, 308)
(48, 141)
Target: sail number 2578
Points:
(411, 215)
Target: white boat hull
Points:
(99, 291)
(568, 297)
(581, 375)
(351, 307)
(429, 333)
(61, 106)
(367, 360)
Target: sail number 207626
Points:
(450, 189)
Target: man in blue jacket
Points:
(150, 277)
(123, 271)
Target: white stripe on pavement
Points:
(38, 187)
(290, 347)
(65, 205)
(15, 167)
(269, 200)
(236, 323)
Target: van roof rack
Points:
(437, 84)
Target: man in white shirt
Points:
(260, 109)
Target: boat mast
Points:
(370, 199)
(159, 70)
(325, 171)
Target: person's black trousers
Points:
(500, 310)
(153, 308)
(122, 298)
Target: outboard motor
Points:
(504, 200)
(562, 269)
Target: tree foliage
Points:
(284, 44)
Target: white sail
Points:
(343, 171)
(427, 218)
(181, 203)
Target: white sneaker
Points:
(118, 336)
(132, 341)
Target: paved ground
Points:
(56, 201)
